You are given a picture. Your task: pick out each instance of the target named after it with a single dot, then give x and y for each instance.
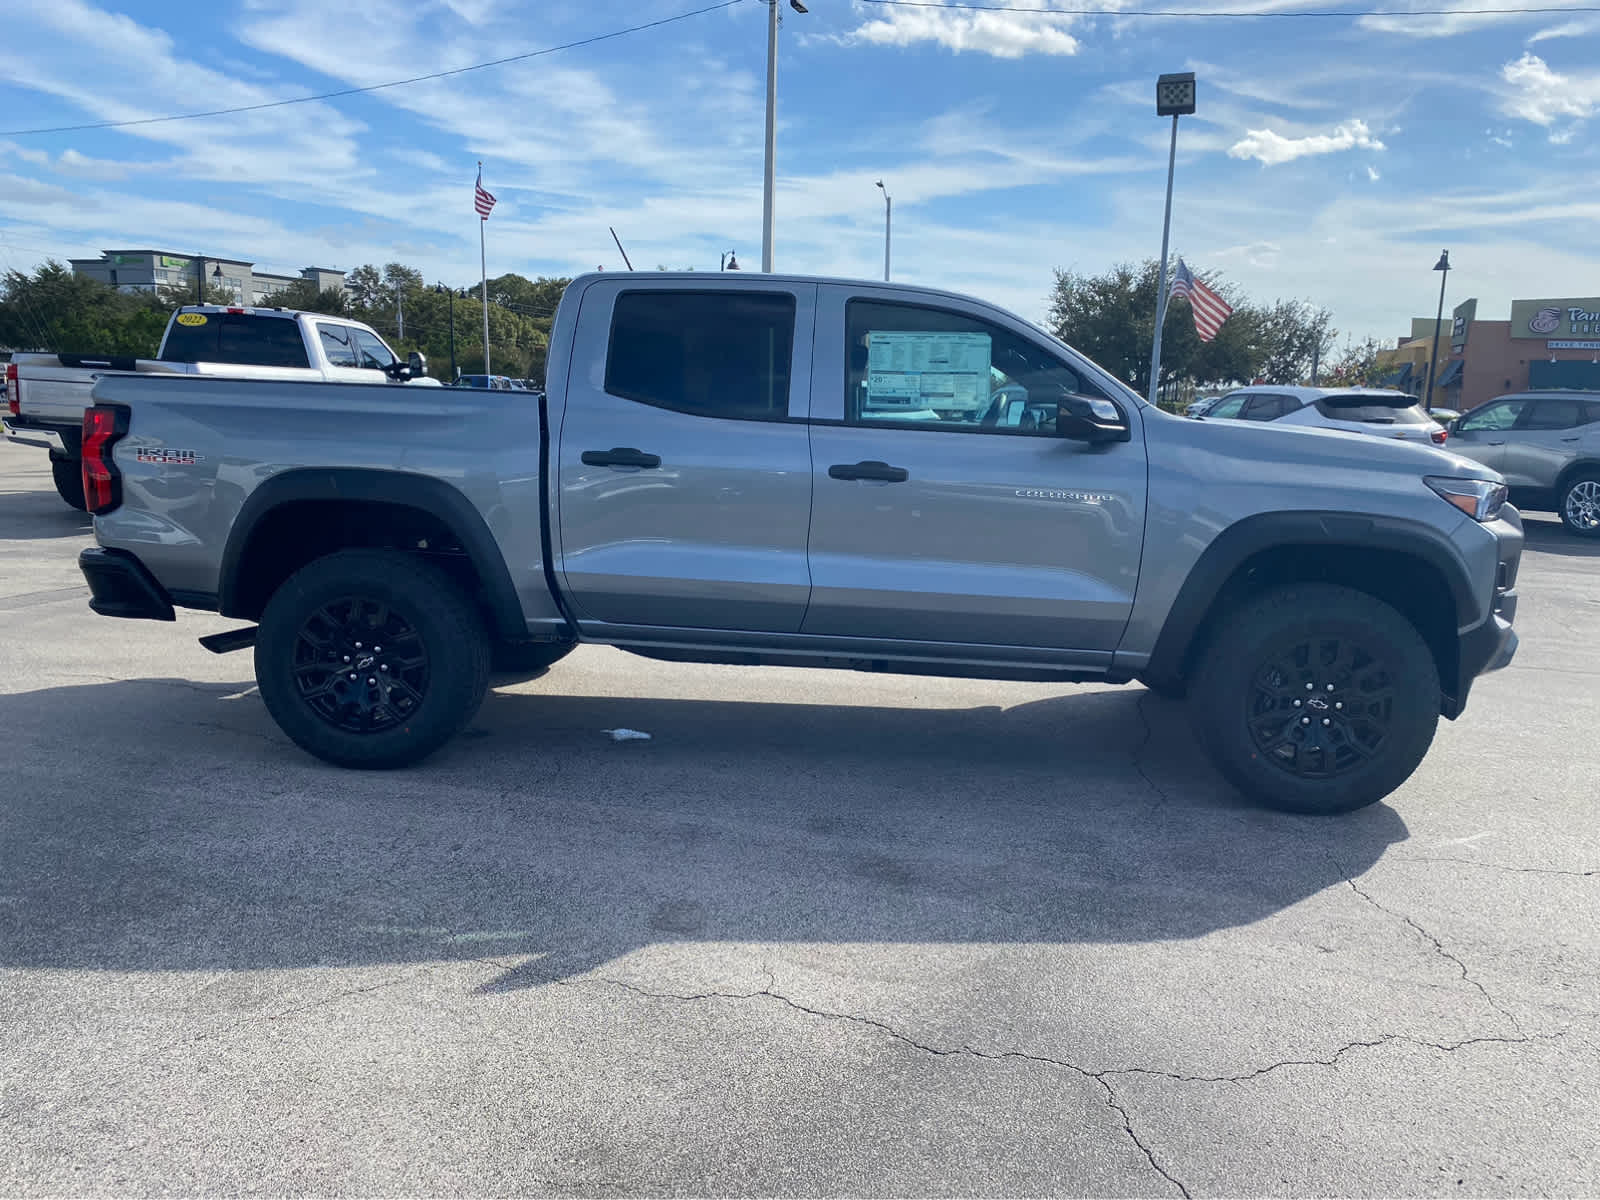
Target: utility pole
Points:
(400, 310)
(770, 174)
(888, 213)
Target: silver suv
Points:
(1377, 411)
(1547, 445)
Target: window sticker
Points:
(945, 372)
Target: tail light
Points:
(13, 390)
(1439, 435)
(103, 426)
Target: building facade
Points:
(148, 270)
(1546, 343)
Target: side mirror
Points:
(417, 363)
(1091, 419)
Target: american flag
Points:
(481, 200)
(1210, 309)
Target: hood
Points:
(1311, 447)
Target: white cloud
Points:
(1272, 148)
(996, 33)
(1544, 96)
(1466, 16)
(1581, 27)
(1372, 173)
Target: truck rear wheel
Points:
(68, 476)
(370, 658)
(1316, 699)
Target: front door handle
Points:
(872, 469)
(619, 456)
(1572, 439)
(1499, 443)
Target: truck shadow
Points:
(195, 837)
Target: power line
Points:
(1225, 13)
(378, 87)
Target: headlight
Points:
(1478, 498)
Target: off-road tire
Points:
(441, 627)
(68, 476)
(1589, 480)
(1340, 748)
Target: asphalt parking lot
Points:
(823, 933)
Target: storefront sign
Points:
(1572, 345)
(1555, 318)
(1462, 317)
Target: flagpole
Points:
(483, 265)
(1161, 290)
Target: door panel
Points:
(974, 530)
(1481, 435)
(1545, 440)
(714, 537)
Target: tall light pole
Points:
(888, 209)
(1174, 98)
(442, 290)
(1443, 267)
(772, 128)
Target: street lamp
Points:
(729, 262)
(772, 128)
(1443, 267)
(200, 279)
(1174, 98)
(888, 209)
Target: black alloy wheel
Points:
(1320, 707)
(360, 665)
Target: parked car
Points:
(724, 472)
(496, 383)
(1547, 446)
(1443, 415)
(1355, 410)
(47, 394)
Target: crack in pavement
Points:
(1138, 752)
(1437, 945)
(1471, 862)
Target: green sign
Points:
(167, 260)
(1555, 318)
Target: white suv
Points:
(1355, 410)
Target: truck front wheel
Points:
(68, 476)
(370, 658)
(1316, 699)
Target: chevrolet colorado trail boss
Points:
(46, 394)
(809, 472)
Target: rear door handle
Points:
(619, 456)
(872, 469)
(1499, 443)
(1572, 439)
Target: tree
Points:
(1357, 365)
(59, 311)
(1111, 318)
(365, 286)
(304, 295)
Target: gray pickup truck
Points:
(809, 472)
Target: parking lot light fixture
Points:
(1175, 96)
(1443, 267)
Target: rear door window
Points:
(1554, 414)
(336, 345)
(711, 354)
(1263, 408)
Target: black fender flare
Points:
(1251, 536)
(424, 492)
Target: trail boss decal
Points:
(168, 458)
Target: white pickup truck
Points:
(46, 394)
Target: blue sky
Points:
(1330, 159)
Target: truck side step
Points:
(233, 639)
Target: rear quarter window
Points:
(1375, 414)
(241, 338)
